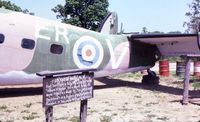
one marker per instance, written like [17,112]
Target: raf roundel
[88,52]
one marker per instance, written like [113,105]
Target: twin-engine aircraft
[30,44]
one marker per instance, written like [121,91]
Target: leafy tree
[194,16]
[12,6]
[83,13]
[156,32]
[144,30]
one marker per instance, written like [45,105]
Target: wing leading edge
[171,44]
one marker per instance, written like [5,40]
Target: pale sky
[155,15]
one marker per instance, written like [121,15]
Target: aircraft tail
[110,24]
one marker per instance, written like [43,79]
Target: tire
[146,79]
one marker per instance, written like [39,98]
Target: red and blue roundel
[88,52]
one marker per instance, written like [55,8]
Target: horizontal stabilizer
[171,44]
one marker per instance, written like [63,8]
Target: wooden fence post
[186,81]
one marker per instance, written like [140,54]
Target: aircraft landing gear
[151,78]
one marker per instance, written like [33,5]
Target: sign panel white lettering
[67,89]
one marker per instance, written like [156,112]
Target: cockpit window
[28,43]
[56,49]
[2,37]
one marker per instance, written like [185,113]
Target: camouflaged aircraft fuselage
[32,44]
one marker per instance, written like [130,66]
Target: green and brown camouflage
[30,44]
[102,51]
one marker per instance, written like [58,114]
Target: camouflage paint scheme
[115,45]
[80,48]
[30,44]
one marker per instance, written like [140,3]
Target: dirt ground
[116,99]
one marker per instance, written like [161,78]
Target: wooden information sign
[67,86]
[60,90]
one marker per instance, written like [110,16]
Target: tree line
[89,14]
[83,13]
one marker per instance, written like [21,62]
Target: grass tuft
[28,105]
[75,119]
[3,107]
[31,116]
[105,118]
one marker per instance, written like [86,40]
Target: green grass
[106,102]
[9,121]
[151,116]
[28,105]
[163,118]
[8,111]
[93,111]
[25,111]
[173,59]
[75,119]
[106,110]
[114,114]
[129,75]
[31,116]
[105,118]
[3,107]
[150,104]
[61,118]
[196,85]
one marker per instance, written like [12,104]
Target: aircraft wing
[171,44]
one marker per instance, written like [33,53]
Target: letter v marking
[115,63]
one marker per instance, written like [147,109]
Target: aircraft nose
[3,55]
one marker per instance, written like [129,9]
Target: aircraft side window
[2,37]
[28,43]
[56,49]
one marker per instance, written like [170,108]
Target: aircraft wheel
[150,80]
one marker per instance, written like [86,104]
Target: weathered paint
[81,48]
[13,57]
[75,43]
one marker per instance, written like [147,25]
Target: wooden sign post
[49,113]
[62,87]
[83,111]
[186,81]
